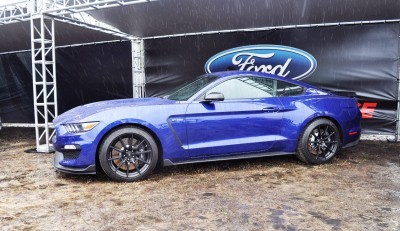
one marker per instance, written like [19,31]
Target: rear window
[288,89]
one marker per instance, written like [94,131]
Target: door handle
[270,109]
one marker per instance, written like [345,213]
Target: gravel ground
[359,190]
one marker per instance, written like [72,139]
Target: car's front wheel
[128,154]
[319,142]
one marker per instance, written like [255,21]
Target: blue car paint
[232,125]
[191,130]
[139,115]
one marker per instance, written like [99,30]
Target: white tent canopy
[171,17]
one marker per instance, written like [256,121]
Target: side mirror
[214,96]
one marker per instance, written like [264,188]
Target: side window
[246,87]
[288,89]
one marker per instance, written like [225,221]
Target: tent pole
[397,131]
[138,77]
[396,135]
[43,76]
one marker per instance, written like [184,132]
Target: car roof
[227,74]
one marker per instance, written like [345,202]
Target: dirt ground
[359,190]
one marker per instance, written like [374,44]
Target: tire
[319,142]
[128,154]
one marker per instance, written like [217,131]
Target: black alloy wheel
[319,142]
[128,154]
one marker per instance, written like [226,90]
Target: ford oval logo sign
[273,59]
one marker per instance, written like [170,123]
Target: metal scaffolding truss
[138,74]
[79,22]
[61,7]
[14,12]
[44,79]
[23,10]
[42,14]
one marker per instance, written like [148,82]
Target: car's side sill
[168,162]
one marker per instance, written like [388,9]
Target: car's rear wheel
[319,142]
[128,154]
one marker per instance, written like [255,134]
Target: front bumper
[75,152]
[59,156]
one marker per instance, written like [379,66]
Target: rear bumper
[59,156]
[352,144]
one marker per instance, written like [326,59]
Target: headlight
[80,127]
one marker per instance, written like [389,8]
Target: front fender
[171,148]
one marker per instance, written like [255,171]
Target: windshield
[187,90]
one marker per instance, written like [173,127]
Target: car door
[246,121]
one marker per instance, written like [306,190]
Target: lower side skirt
[168,162]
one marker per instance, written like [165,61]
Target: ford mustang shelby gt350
[218,116]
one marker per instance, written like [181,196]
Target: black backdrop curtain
[362,58]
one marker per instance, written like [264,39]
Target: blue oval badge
[273,59]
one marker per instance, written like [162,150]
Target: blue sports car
[219,116]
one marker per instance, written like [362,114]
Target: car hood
[81,112]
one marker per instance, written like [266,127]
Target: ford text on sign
[273,59]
